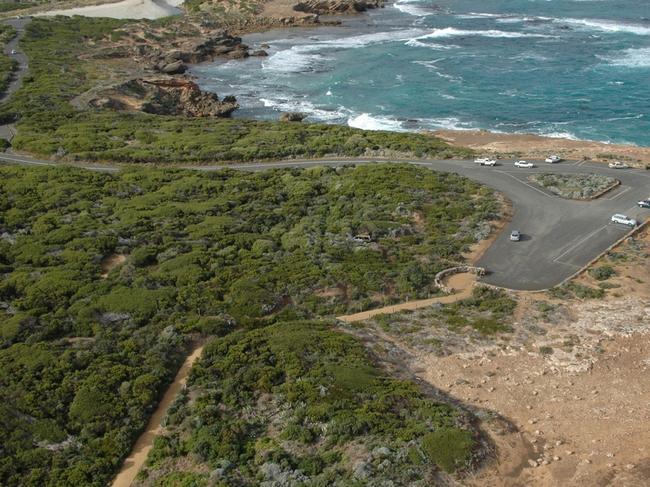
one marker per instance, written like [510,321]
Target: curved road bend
[558,235]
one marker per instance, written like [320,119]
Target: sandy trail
[140,451]
[463,283]
[126,9]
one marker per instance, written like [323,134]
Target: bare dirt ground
[572,380]
[537,147]
[111,262]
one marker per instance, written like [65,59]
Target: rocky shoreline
[160,55]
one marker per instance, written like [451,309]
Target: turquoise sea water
[564,68]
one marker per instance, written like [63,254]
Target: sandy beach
[537,147]
[126,9]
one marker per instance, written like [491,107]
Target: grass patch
[449,448]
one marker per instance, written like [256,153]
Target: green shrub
[450,448]
[546,350]
[602,273]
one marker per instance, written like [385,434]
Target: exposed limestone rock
[177,67]
[292,117]
[165,97]
[337,6]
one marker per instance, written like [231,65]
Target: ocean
[577,69]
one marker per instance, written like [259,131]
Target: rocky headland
[333,7]
[165,96]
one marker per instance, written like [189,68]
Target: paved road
[559,235]
[12,45]
[7,131]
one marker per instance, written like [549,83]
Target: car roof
[619,215]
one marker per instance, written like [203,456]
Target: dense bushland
[298,403]
[83,358]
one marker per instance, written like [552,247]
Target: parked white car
[515,236]
[524,164]
[618,165]
[624,220]
[552,159]
[485,161]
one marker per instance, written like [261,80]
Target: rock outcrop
[168,96]
[324,7]
[173,57]
[292,117]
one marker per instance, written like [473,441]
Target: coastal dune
[126,9]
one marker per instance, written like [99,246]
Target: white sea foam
[372,122]
[558,135]
[628,117]
[307,107]
[453,32]
[368,39]
[412,7]
[297,59]
[630,58]
[308,57]
[437,70]
[429,45]
[477,15]
[610,26]
[519,19]
[446,123]
[375,122]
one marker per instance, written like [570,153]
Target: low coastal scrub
[488,313]
[299,403]
[62,67]
[86,351]
[574,186]
[10,6]
[602,273]
[576,290]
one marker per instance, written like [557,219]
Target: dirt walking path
[462,283]
[138,456]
